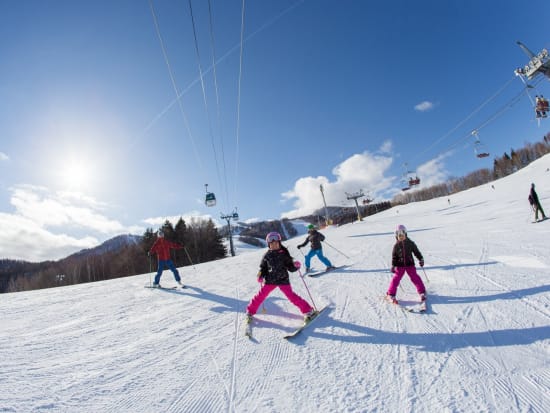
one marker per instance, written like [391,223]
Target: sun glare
[76,175]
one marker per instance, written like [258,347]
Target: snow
[483,346]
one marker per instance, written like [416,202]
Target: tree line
[129,257]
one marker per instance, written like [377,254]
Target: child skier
[273,273]
[162,248]
[403,261]
[315,237]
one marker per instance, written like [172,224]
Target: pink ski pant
[413,275]
[266,289]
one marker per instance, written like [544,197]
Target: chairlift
[409,178]
[541,107]
[479,148]
[414,181]
[539,64]
[210,199]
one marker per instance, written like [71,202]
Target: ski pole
[150,270]
[263,304]
[425,275]
[337,250]
[307,289]
[189,257]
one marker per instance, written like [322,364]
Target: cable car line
[174,85]
[205,100]
[239,101]
[462,122]
[218,105]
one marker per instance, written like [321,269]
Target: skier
[535,203]
[162,248]
[273,273]
[315,237]
[403,261]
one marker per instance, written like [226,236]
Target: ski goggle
[272,237]
[400,233]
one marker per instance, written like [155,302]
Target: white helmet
[400,229]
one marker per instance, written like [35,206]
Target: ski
[306,324]
[164,288]
[418,308]
[319,273]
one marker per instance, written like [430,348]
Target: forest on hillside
[200,237]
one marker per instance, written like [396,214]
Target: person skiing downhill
[403,261]
[162,248]
[535,203]
[315,237]
[273,273]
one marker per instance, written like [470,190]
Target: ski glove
[260,278]
[299,246]
[297,264]
[421,263]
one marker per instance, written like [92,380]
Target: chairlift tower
[538,63]
[228,217]
[355,196]
[327,219]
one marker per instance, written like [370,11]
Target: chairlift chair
[414,181]
[541,107]
[479,149]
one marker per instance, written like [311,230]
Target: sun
[76,174]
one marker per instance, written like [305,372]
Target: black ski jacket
[533,197]
[275,266]
[315,237]
[402,255]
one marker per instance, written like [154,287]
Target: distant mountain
[92,264]
[111,245]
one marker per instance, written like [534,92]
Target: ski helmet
[273,236]
[311,226]
[400,229]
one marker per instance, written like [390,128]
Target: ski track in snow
[483,345]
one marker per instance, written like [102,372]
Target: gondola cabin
[210,199]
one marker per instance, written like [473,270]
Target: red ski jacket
[162,248]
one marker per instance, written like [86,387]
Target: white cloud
[433,172]
[37,229]
[61,209]
[364,171]
[386,147]
[21,238]
[424,106]
[4,157]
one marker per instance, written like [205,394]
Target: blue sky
[94,142]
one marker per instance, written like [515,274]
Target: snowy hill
[483,346]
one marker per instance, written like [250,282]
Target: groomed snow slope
[483,346]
